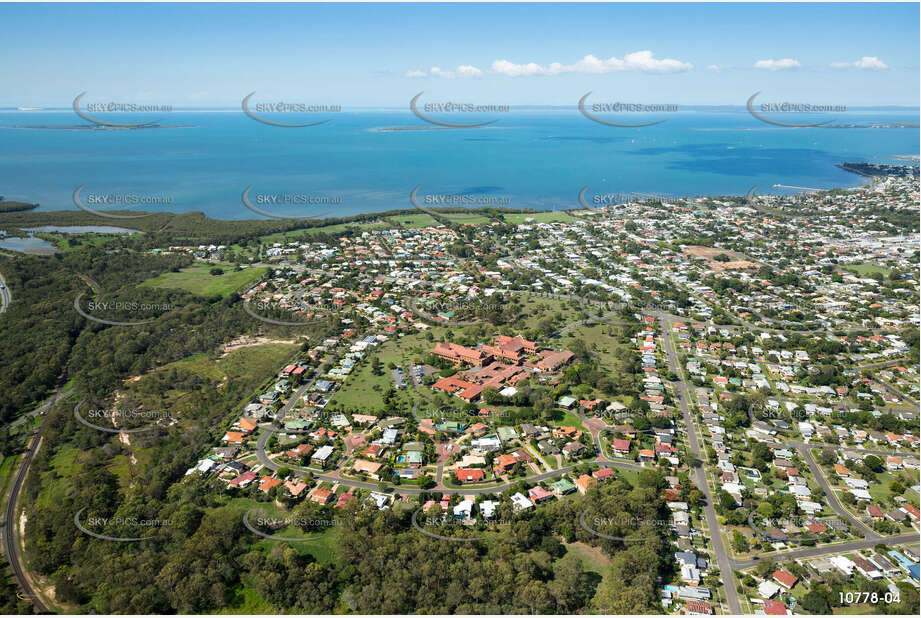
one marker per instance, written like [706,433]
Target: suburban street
[700,476]
[412,491]
[830,494]
[822,550]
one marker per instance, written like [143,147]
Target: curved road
[335,478]
[5,297]
[11,530]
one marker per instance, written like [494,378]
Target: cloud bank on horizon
[640,61]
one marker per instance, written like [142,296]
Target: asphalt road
[286,409]
[5,297]
[812,552]
[837,447]
[40,409]
[894,391]
[830,494]
[700,478]
[412,491]
[881,364]
[11,531]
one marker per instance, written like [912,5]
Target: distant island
[10,206]
[879,169]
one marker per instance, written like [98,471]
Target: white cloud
[637,61]
[716,68]
[867,62]
[464,70]
[784,64]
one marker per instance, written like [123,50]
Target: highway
[700,477]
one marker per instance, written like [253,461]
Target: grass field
[297,235]
[592,558]
[80,240]
[569,419]
[541,217]
[414,221]
[364,390]
[7,468]
[250,367]
[867,269]
[197,279]
[246,600]
[323,549]
[244,362]
[55,483]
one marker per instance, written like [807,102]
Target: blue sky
[379,55]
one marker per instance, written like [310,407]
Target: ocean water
[530,159]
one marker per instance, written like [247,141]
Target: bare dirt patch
[738,261]
[247,341]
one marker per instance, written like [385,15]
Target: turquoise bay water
[534,159]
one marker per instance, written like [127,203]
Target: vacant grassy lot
[7,468]
[541,217]
[247,601]
[73,242]
[323,549]
[198,279]
[244,371]
[364,390]
[414,221]
[297,235]
[865,270]
[592,557]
